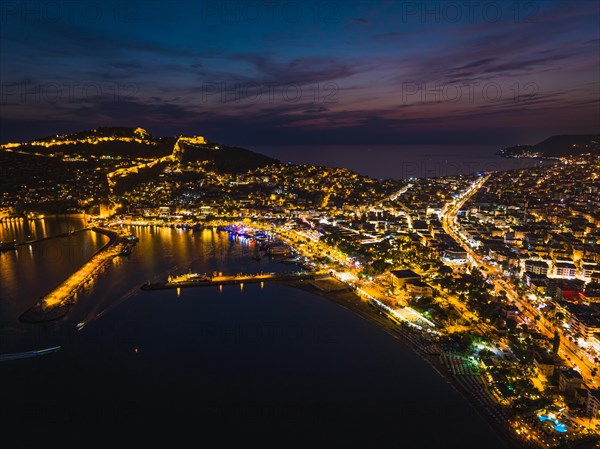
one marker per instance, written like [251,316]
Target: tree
[556,342]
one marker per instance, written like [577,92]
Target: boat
[189,277]
[125,251]
[8,246]
[80,325]
[278,250]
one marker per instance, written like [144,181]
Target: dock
[59,301]
[234,279]
[9,246]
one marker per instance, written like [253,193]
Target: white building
[537,267]
[593,403]
[565,270]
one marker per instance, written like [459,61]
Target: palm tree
[559,316]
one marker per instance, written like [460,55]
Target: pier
[57,236]
[8,246]
[59,301]
[213,281]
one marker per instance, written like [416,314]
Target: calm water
[394,161]
[258,367]
[32,271]
[26,230]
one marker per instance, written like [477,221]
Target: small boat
[80,325]
[277,250]
[8,246]
[125,251]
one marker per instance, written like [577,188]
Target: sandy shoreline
[350,301]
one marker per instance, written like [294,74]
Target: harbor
[292,316]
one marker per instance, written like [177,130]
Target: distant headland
[555,147]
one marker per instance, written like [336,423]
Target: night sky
[287,72]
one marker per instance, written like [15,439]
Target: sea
[242,366]
[400,161]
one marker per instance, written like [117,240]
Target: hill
[136,143]
[556,146]
[222,158]
[112,142]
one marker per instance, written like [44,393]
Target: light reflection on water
[31,272]
[281,366]
[23,230]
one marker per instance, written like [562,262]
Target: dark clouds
[346,72]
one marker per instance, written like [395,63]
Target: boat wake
[95,314]
[28,354]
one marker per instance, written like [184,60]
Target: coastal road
[406,210]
